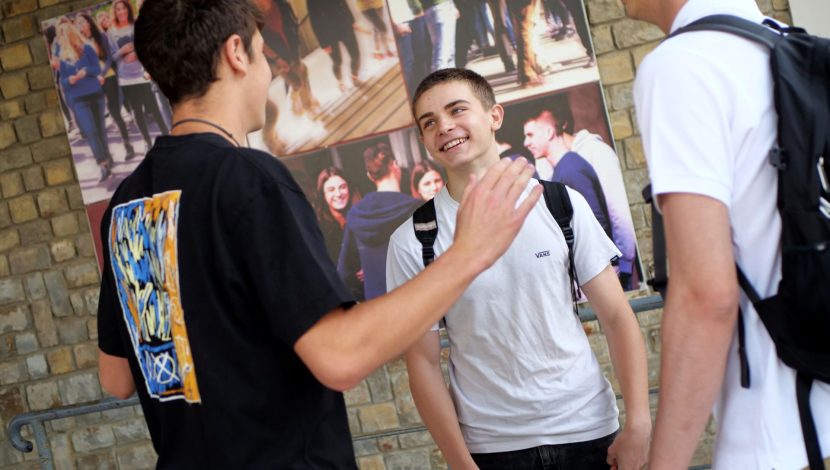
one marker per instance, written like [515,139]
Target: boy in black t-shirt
[218,302]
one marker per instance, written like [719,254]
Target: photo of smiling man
[524,384]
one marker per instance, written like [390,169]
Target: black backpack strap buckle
[425,224]
[778,158]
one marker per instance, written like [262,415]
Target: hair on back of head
[179,42]
[378,159]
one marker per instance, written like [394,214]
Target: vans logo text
[542,254]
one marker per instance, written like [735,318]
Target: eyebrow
[446,106]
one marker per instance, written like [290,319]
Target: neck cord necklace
[206,122]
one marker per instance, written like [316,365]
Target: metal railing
[37,420]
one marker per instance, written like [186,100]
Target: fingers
[518,180]
[527,205]
[494,173]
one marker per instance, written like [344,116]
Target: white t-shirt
[606,164]
[705,107]
[522,372]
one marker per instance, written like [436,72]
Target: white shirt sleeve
[685,122]
[593,250]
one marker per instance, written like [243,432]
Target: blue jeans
[587,455]
[414,49]
[440,21]
[89,114]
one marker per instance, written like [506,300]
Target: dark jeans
[89,114]
[143,102]
[113,93]
[587,455]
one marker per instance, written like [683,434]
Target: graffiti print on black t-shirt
[143,249]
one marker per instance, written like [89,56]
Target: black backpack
[558,201]
[797,317]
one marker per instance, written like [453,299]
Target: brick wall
[49,277]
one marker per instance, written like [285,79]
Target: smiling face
[336,193]
[83,26]
[430,184]
[455,127]
[537,138]
[122,13]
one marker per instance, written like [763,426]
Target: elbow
[118,389]
[339,375]
[714,302]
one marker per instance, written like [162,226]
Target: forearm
[434,403]
[691,375]
[628,356]
[348,341]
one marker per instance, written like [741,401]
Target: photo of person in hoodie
[370,223]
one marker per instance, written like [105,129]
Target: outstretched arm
[347,345]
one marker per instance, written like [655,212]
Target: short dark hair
[563,117]
[378,159]
[481,88]
[179,42]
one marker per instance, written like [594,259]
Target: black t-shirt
[214,267]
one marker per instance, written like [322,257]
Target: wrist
[639,423]
[467,263]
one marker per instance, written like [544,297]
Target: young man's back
[521,369]
[706,111]
[204,302]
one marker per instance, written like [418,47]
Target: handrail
[36,419]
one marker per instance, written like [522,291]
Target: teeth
[453,143]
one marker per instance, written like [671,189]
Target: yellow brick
[60,361]
[634,156]
[378,417]
[23,209]
[59,172]
[51,123]
[16,7]
[15,57]
[615,67]
[374,462]
[13,84]
[7,135]
[620,124]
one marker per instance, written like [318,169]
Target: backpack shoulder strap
[734,25]
[425,223]
[559,205]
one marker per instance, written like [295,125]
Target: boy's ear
[235,55]
[497,116]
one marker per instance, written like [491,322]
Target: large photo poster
[338,114]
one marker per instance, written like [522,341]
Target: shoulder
[259,170]
[579,203]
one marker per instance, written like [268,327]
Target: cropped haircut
[481,88]
[378,159]
[179,42]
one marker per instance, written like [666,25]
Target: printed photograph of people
[567,136]
[361,192]
[522,47]
[336,74]
[111,109]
